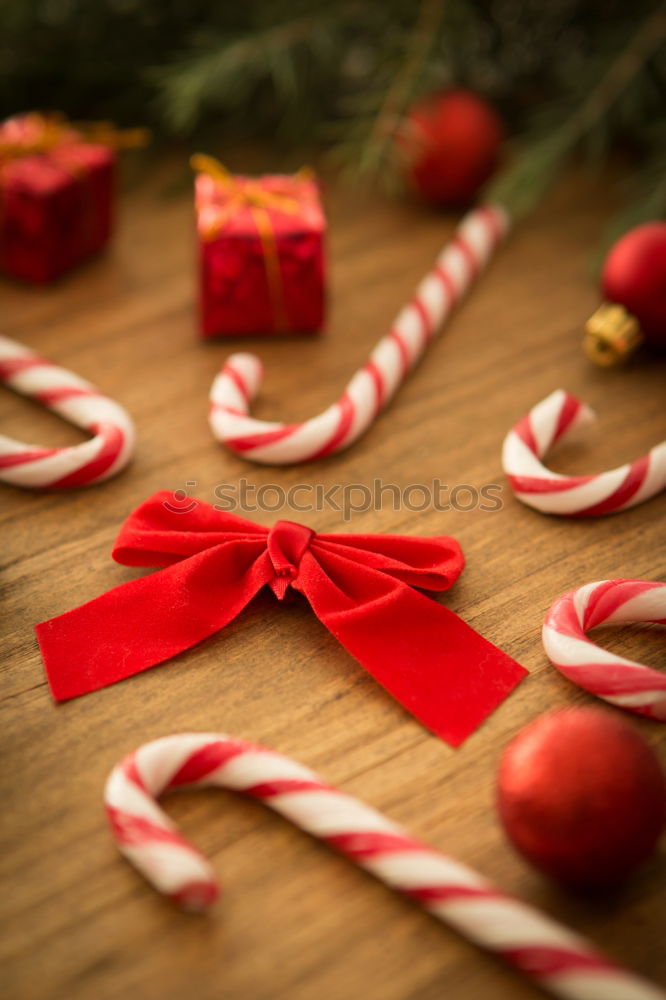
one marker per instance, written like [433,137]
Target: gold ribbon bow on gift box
[35,133]
[250,195]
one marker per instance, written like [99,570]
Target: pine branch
[646,201]
[379,146]
[520,188]
[226,75]
[344,72]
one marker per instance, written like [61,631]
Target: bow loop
[427,563]
[169,527]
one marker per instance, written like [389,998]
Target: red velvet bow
[359,586]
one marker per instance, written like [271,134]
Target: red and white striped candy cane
[374,384]
[619,681]
[556,958]
[79,402]
[574,496]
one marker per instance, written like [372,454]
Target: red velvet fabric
[359,586]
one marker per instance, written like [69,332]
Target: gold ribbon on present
[37,133]
[32,134]
[251,196]
[105,133]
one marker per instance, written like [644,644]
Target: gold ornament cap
[612,334]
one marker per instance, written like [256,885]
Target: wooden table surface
[296,921]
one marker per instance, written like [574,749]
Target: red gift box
[56,197]
[261,244]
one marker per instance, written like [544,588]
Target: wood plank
[297,922]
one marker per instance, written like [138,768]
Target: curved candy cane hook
[619,681]
[79,402]
[373,385]
[556,958]
[574,496]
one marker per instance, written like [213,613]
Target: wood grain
[296,921]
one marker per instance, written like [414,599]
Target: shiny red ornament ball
[582,796]
[634,275]
[450,143]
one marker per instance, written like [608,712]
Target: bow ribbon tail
[146,621]
[439,668]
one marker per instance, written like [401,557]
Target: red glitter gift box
[261,252]
[56,197]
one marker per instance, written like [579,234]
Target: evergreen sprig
[341,74]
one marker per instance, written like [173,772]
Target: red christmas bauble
[451,143]
[634,275]
[582,796]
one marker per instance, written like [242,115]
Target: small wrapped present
[56,192]
[261,252]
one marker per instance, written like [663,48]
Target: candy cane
[619,681]
[81,404]
[575,496]
[555,957]
[373,385]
